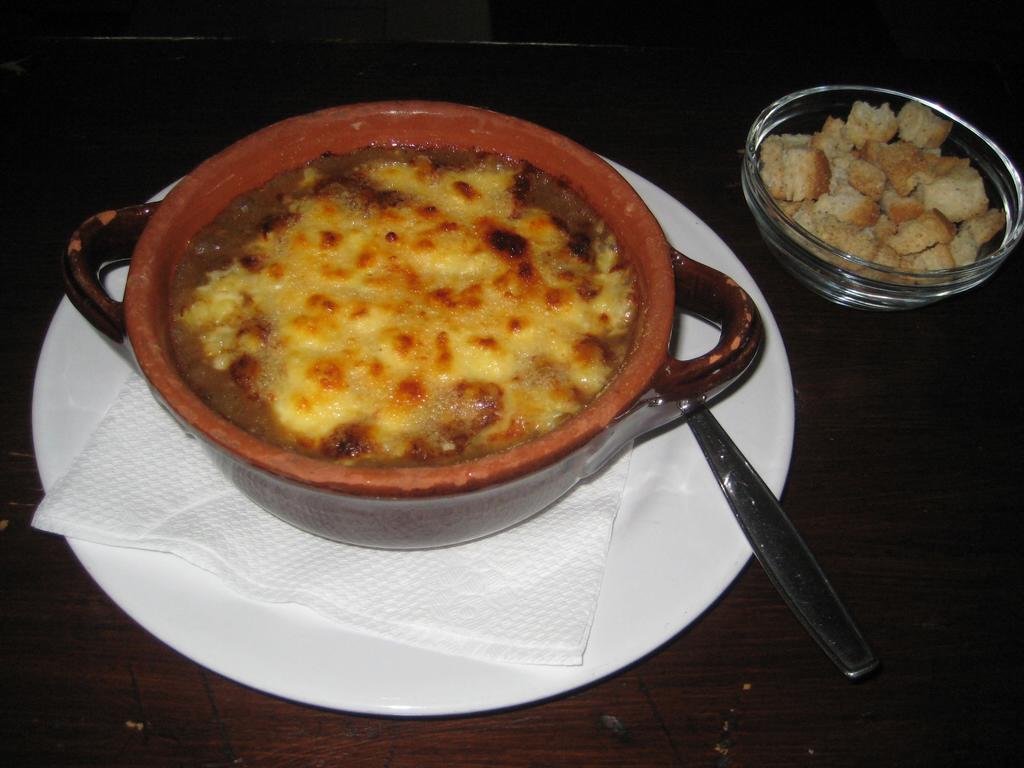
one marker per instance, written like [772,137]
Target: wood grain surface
[905,477]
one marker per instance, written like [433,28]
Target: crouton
[959,194]
[790,207]
[928,229]
[974,233]
[899,208]
[922,127]
[884,228]
[858,241]
[930,259]
[793,172]
[941,165]
[866,178]
[887,257]
[985,226]
[904,164]
[850,206]
[866,123]
[964,248]
[792,140]
[832,139]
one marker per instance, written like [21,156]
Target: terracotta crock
[415,507]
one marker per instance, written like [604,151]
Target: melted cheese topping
[411,311]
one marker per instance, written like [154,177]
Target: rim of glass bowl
[1007,185]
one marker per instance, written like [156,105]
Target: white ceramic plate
[674,551]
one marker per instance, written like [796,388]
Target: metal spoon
[781,551]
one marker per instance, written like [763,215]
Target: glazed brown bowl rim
[310,132]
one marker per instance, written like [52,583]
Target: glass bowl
[840,276]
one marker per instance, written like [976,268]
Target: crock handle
[717,298]
[101,239]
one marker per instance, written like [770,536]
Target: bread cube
[793,171]
[964,248]
[900,208]
[866,123]
[884,228]
[904,164]
[850,206]
[928,229]
[867,178]
[974,233]
[922,127]
[959,194]
[859,241]
[832,139]
[930,259]
[985,226]
[887,257]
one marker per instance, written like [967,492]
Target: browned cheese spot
[409,276]
[386,198]
[245,372]
[320,302]
[590,349]
[424,167]
[521,187]
[554,297]
[312,324]
[404,343]
[474,406]
[444,351]
[348,441]
[525,271]
[443,296]
[466,190]
[467,298]
[421,451]
[478,402]
[517,430]
[256,329]
[587,290]
[579,246]
[410,392]
[251,262]
[278,223]
[327,374]
[334,273]
[507,244]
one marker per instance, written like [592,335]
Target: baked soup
[403,306]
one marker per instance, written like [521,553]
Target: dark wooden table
[905,477]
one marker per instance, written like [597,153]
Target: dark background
[813,32]
[913,28]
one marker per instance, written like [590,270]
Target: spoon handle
[781,551]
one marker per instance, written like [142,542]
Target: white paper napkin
[526,595]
